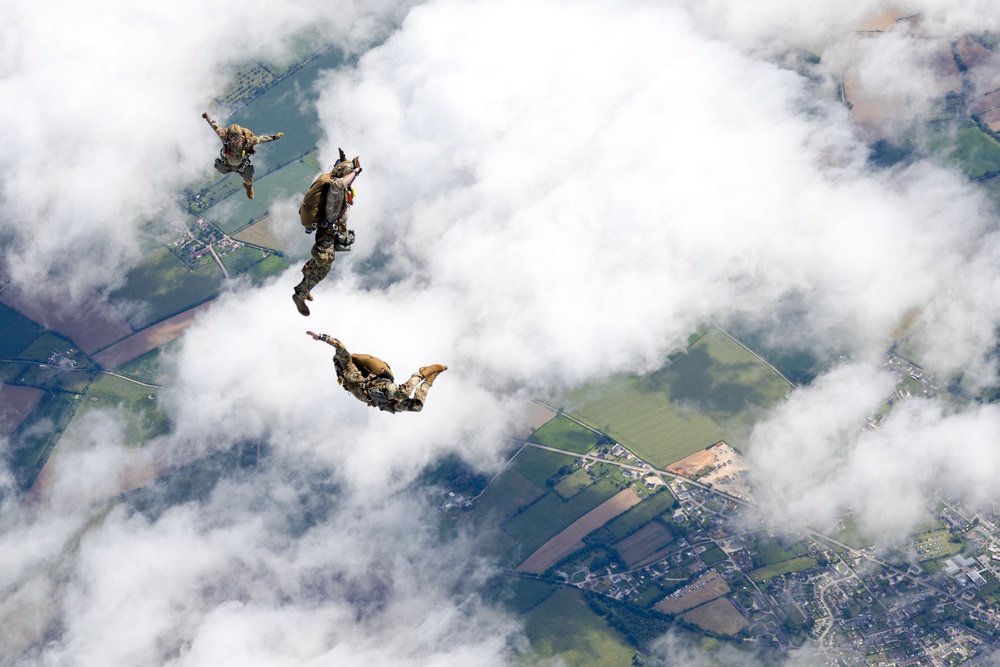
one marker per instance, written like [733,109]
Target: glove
[205,115]
[357,164]
[279,135]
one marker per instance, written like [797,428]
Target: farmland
[715,391]
[784,567]
[719,616]
[638,516]
[16,403]
[707,587]
[547,516]
[977,153]
[32,442]
[91,322]
[563,626]
[260,234]
[161,286]
[270,267]
[16,332]
[563,433]
[149,338]
[143,418]
[506,494]
[571,539]
[646,545]
[147,367]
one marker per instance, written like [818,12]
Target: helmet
[341,169]
[234,133]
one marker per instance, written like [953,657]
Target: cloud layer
[553,192]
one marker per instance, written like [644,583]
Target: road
[825,624]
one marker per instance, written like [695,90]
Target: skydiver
[237,146]
[370,380]
[324,210]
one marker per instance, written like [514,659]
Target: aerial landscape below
[691,307]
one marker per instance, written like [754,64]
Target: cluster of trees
[640,626]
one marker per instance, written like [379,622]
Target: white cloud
[552,192]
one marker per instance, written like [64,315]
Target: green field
[935,545]
[42,348]
[273,266]
[13,373]
[144,419]
[148,367]
[975,152]
[572,484]
[505,495]
[161,286]
[784,567]
[852,535]
[639,515]
[769,550]
[538,465]
[520,594]
[713,554]
[50,378]
[16,332]
[562,630]
[715,391]
[32,442]
[546,517]
[242,259]
[563,433]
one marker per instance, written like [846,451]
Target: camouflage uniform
[370,380]
[329,233]
[234,157]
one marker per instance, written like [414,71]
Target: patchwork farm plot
[715,391]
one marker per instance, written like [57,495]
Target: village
[711,563]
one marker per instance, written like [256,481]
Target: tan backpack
[313,206]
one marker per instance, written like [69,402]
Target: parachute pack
[313,206]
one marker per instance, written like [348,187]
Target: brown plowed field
[149,338]
[709,586]
[647,545]
[16,403]
[92,323]
[719,615]
[260,234]
[571,538]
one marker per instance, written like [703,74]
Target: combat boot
[431,372]
[248,185]
[300,304]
